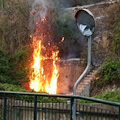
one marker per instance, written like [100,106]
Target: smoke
[65,26]
[38,11]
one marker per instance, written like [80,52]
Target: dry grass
[14,25]
[111,11]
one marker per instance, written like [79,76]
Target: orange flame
[52,88]
[42,80]
[62,39]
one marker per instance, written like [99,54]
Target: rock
[106,35]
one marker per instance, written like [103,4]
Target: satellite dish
[85,22]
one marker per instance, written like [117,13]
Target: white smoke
[38,11]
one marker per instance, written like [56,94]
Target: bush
[113,96]
[4,66]
[110,96]
[1,118]
[14,69]
[11,87]
[20,64]
[110,72]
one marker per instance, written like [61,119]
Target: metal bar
[35,107]
[59,110]
[86,112]
[90,113]
[79,113]
[63,110]
[71,108]
[1,106]
[64,96]
[42,110]
[25,109]
[46,110]
[28,110]
[82,75]
[31,108]
[119,112]
[67,112]
[11,108]
[55,111]
[22,109]
[52,110]
[87,68]
[5,105]
[101,114]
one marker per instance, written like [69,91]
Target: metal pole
[82,75]
[35,107]
[71,106]
[119,112]
[5,105]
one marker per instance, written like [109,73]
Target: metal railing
[35,106]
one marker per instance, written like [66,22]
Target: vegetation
[14,88]
[14,45]
[113,96]
[13,69]
[1,118]
[11,87]
[116,33]
[14,31]
[110,71]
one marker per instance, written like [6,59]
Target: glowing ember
[44,73]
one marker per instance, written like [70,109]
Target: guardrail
[35,106]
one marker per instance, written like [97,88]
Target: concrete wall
[71,3]
[69,71]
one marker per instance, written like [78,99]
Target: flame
[52,88]
[43,75]
[62,39]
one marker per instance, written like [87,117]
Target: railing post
[119,112]
[35,107]
[71,108]
[5,106]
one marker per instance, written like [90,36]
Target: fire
[52,88]
[44,71]
[62,39]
